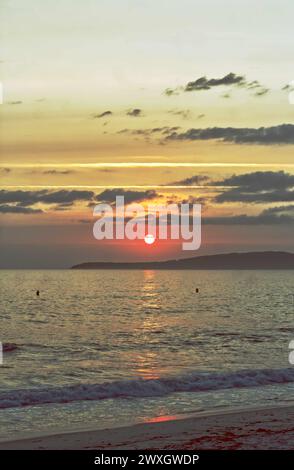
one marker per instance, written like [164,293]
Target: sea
[107,348]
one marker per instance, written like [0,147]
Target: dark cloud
[281,134]
[14,102]
[288,87]
[193,180]
[57,172]
[203,83]
[231,79]
[262,219]
[63,196]
[259,180]
[193,200]
[85,221]
[102,115]
[239,195]
[262,91]
[107,170]
[289,209]
[258,187]
[109,195]
[184,113]
[266,217]
[136,112]
[166,130]
[10,209]
[172,91]
[257,88]
[19,196]
[63,206]
[45,196]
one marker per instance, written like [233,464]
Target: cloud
[258,187]
[5,170]
[193,200]
[102,115]
[203,83]
[64,196]
[172,91]
[109,195]
[136,112]
[63,206]
[107,170]
[274,216]
[57,172]
[166,130]
[237,195]
[10,209]
[184,113]
[14,102]
[85,221]
[259,180]
[262,91]
[262,219]
[193,180]
[280,134]
[26,198]
[19,196]
[231,79]
[288,87]
[280,210]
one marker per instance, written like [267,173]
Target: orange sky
[85,109]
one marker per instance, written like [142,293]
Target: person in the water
[38,293]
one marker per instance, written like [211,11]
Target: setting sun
[149,239]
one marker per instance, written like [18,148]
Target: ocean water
[109,348]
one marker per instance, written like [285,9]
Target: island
[251,260]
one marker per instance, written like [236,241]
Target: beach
[237,429]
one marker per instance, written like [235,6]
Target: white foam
[193,382]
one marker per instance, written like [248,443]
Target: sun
[149,239]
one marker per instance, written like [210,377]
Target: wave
[140,388]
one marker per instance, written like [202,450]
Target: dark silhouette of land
[252,260]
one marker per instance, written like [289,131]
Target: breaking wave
[192,382]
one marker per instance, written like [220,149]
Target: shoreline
[237,428]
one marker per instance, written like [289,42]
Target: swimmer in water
[38,293]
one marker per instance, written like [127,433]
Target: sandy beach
[256,428]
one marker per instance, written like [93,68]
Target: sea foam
[192,382]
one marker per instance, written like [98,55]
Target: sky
[155,100]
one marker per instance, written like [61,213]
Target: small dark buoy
[38,293]
[196,290]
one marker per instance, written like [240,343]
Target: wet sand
[254,428]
